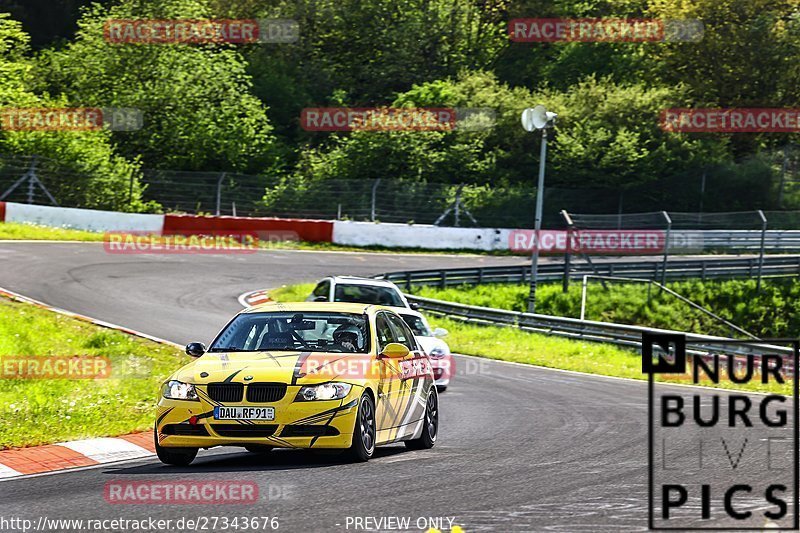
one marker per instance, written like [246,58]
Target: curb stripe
[144,440]
[106,450]
[6,471]
[43,459]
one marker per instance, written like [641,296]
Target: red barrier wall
[306,230]
[2,211]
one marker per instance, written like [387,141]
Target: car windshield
[417,325]
[367,294]
[295,331]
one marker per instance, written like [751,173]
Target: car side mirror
[195,349]
[440,332]
[320,299]
[414,306]
[395,350]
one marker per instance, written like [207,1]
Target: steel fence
[648,269]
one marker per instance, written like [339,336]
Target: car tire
[430,429]
[174,456]
[364,432]
[259,448]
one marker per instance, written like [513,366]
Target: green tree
[79,168]
[199,113]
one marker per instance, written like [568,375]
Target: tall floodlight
[537,118]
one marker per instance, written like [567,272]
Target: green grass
[15,231]
[511,344]
[292,293]
[20,232]
[772,312]
[40,411]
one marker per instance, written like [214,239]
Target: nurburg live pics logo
[721,458]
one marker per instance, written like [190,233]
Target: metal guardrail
[588,330]
[676,269]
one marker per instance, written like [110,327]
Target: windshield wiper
[213,350]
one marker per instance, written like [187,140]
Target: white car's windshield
[367,294]
[295,331]
[417,325]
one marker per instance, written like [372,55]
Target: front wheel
[363,446]
[430,429]
[174,456]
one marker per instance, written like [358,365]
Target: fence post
[761,252]
[374,197]
[219,193]
[408,281]
[444,279]
[568,253]
[666,248]
[583,297]
[457,208]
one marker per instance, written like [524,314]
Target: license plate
[244,413]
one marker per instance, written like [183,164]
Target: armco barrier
[588,330]
[306,230]
[702,268]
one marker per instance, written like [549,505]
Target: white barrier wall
[85,219]
[419,236]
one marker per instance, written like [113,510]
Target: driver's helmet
[348,333]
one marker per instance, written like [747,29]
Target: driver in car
[347,336]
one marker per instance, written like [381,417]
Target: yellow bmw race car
[302,375]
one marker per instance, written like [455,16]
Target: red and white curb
[17,462]
[252,298]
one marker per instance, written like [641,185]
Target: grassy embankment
[39,411]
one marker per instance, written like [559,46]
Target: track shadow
[243,461]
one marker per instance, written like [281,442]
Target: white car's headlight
[326,391]
[177,390]
[437,352]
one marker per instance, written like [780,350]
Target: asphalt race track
[520,448]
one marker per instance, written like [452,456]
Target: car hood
[282,367]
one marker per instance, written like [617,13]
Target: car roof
[331,307]
[355,280]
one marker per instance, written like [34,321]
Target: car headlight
[437,353]
[177,390]
[326,391]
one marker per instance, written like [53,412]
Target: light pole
[537,118]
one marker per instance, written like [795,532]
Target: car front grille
[186,430]
[245,431]
[226,392]
[265,392]
[308,430]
